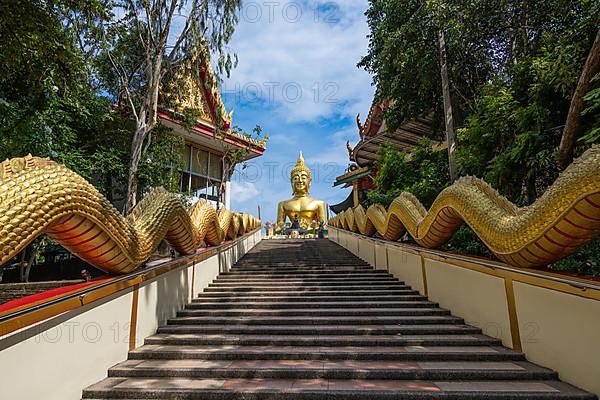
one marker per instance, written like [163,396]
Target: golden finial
[300,167]
[359,124]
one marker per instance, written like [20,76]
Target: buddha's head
[300,177]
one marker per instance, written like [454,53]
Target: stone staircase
[305,319]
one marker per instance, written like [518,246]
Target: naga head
[300,178]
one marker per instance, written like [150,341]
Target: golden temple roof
[193,92]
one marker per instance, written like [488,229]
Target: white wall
[56,359]
[556,324]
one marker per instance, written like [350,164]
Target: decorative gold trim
[512,314]
[424,275]
[300,167]
[581,287]
[352,173]
[63,306]
[94,294]
[134,317]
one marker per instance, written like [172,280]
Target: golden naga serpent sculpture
[40,196]
[563,219]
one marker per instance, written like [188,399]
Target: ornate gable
[193,89]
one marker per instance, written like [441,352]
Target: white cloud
[273,54]
[306,68]
[334,147]
[244,191]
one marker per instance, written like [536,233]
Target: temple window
[202,172]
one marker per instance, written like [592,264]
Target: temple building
[209,141]
[373,135]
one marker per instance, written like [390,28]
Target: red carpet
[47,295]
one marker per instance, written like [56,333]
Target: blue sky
[297,78]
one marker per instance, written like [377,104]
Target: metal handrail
[458,257]
[130,276]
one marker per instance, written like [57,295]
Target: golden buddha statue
[306,209]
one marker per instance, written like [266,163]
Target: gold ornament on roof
[39,196]
[563,219]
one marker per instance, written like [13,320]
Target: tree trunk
[22,263]
[136,155]
[448,117]
[573,123]
[109,188]
[28,256]
[146,120]
[29,265]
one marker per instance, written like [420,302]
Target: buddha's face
[300,183]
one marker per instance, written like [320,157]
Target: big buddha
[306,209]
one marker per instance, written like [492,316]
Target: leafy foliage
[586,261]
[142,45]
[592,113]
[47,105]
[52,105]
[513,68]
[509,144]
[164,160]
[425,174]
[403,53]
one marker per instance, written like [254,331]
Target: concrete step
[320,330]
[323,268]
[405,337]
[306,320]
[304,278]
[314,312]
[317,254]
[398,353]
[306,274]
[368,320]
[320,256]
[299,260]
[341,369]
[302,283]
[341,290]
[315,267]
[331,389]
[205,305]
[242,298]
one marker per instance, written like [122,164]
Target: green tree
[431,57]
[424,173]
[145,41]
[590,70]
[513,70]
[511,138]
[51,105]
[404,53]
[43,87]
[47,105]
